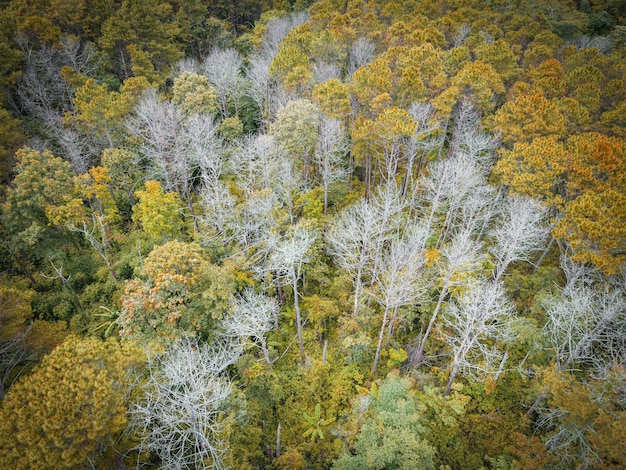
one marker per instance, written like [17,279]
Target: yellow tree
[593,222]
[72,409]
[548,78]
[528,117]
[332,98]
[500,56]
[593,225]
[482,83]
[596,162]
[158,212]
[100,112]
[584,179]
[194,94]
[95,186]
[537,169]
[370,87]
[291,64]
[90,209]
[420,71]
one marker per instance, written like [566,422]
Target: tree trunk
[420,351]
[535,405]
[543,255]
[368,177]
[453,372]
[380,341]
[296,304]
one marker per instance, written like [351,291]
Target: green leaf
[310,419]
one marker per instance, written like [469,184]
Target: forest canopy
[292,234]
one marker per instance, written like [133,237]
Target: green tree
[47,21]
[295,130]
[147,29]
[11,137]
[500,56]
[391,435]
[123,169]
[42,183]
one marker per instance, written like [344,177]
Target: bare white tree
[422,141]
[445,189]
[462,255]
[223,68]
[263,90]
[362,52]
[329,155]
[461,35]
[179,415]
[253,316]
[388,206]
[156,124]
[520,231]
[178,147]
[398,282]
[468,136]
[323,71]
[479,209]
[480,317]
[359,234]
[188,64]
[255,222]
[586,323]
[287,262]
[276,29]
[44,97]
[255,162]
[219,208]
[351,242]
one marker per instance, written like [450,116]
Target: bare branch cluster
[180,416]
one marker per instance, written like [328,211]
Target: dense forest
[360,234]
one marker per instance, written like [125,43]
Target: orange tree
[181,294]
